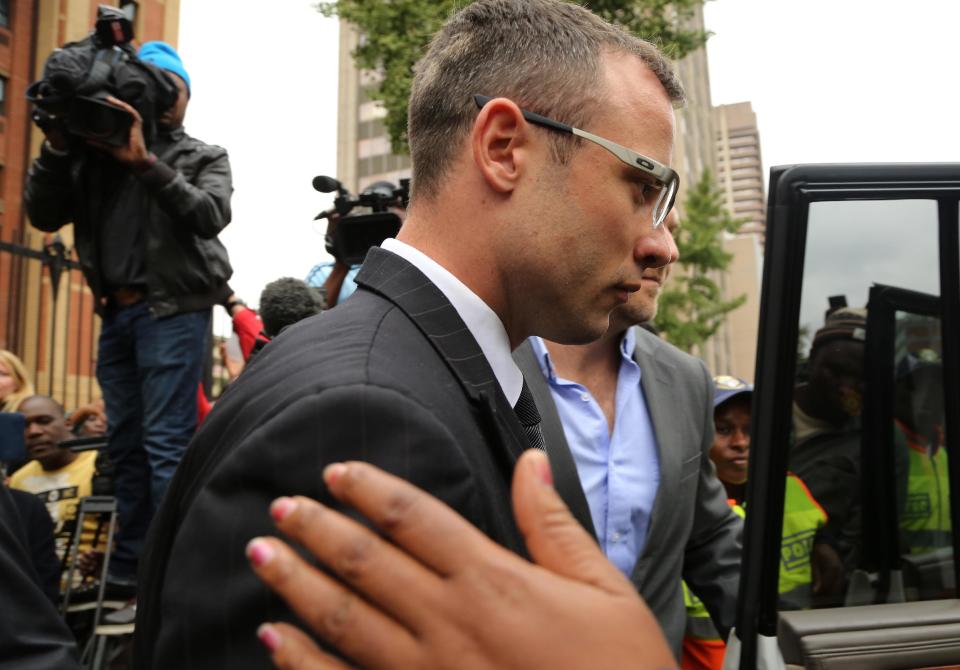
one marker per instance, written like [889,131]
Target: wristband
[233,303]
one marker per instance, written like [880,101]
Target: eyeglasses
[666,180]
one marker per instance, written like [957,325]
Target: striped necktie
[526,411]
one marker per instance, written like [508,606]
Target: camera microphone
[326,184]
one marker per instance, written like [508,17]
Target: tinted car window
[851,247]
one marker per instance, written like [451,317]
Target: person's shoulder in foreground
[32,634]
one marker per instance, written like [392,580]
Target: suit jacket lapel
[565,476]
[409,289]
[658,392]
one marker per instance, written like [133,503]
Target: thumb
[555,540]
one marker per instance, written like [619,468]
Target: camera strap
[100,69]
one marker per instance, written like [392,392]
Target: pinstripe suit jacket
[392,376]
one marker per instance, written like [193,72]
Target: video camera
[78,78]
[350,236]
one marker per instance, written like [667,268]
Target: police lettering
[918,507]
[795,549]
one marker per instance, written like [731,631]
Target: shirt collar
[172,134]
[543,358]
[628,344]
[482,322]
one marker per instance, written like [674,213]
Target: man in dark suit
[33,636]
[413,373]
[628,426]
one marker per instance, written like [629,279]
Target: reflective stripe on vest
[699,624]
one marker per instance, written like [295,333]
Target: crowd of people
[593,476]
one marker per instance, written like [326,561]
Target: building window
[4,13]
[3,96]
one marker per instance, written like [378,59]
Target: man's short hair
[545,55]
[61,412]
[284,302]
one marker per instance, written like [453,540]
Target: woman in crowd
[14,383]
[88,420]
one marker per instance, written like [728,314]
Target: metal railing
[47,319]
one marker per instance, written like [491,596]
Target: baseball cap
[726,387]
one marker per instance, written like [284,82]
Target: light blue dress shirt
[318,274]
[619,473]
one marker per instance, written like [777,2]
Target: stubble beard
[641,308]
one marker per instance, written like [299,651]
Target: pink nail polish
[543,469]
[259,552]
[269,636]
[333,472]
[281,508]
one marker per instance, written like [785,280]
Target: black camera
[78,78]
[350,236]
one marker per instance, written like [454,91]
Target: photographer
[146,215]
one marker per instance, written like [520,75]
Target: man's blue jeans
[149,371]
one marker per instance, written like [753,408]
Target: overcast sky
[830,81]
[841,80]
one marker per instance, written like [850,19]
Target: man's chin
[582,331]
[41,453]
[640,309]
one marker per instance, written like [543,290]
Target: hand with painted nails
[440,594]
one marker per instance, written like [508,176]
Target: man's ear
[499,140]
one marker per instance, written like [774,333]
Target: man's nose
[33,429]
[741,440]
[656,248]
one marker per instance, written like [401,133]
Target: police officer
[918,440]
[802,519]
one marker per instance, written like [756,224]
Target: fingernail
[281,508]
[333,472]
[542,465]
[259,551]
[269,635]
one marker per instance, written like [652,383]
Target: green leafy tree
[693,307]
[397,32]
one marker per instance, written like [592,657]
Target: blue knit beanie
[164,57]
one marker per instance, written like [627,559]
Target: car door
[855,405]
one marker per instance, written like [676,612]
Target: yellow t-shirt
[61,491]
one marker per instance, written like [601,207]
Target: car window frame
[880,530]
[792,190]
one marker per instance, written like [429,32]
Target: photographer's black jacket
[182,203]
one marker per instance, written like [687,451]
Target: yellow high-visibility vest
[925,522]
[802,517]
